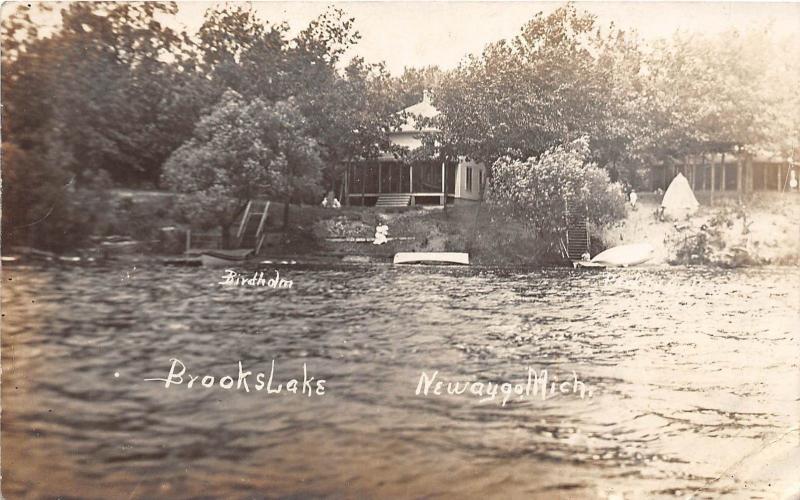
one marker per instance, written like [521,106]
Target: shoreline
[336,262]
[765,232]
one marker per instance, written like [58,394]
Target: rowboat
[224,257]
[625,255]
[432,258]
[587,264]
[367,240]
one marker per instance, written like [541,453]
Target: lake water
[694,379]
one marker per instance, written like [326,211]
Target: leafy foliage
[104,96]
[539,191]
[564,77]
[711,96]
[44,206]
[544,87]
[349,111]
[243,150]
[112,91]
[408,88]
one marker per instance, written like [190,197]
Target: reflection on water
[692,372]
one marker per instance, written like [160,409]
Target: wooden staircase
[251,232]
[577,235]
[391,200]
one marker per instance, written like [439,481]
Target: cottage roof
[422,109]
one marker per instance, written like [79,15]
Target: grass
[489,238]
[475,229]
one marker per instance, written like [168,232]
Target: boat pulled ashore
[459,258]
[625,255]
[224,257]
[587,264]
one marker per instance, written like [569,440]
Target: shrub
[538,191]
[241,150]
[140,220]
[46,207]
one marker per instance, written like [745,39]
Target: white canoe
[431,258]
[625,255]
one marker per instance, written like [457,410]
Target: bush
[241,150]
[539,191]
[138,219]
[46,207]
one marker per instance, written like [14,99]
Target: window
[480,179]
[469,179]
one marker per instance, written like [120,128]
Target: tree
[44,206]
[542,88]
[780,80]
[299,155]
[408,88]
[351,117]
[539,191]
[623,138]
[243,149]
[347,107]
[102,88]
[711,93]
[239,51]
[349,110]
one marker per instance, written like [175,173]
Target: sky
[425,33]
[422,33]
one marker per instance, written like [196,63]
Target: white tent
[679,200]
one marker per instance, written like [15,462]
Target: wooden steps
[577,235]
[392,200]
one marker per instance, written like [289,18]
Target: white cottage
[389,182]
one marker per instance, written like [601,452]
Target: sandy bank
[764,229]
